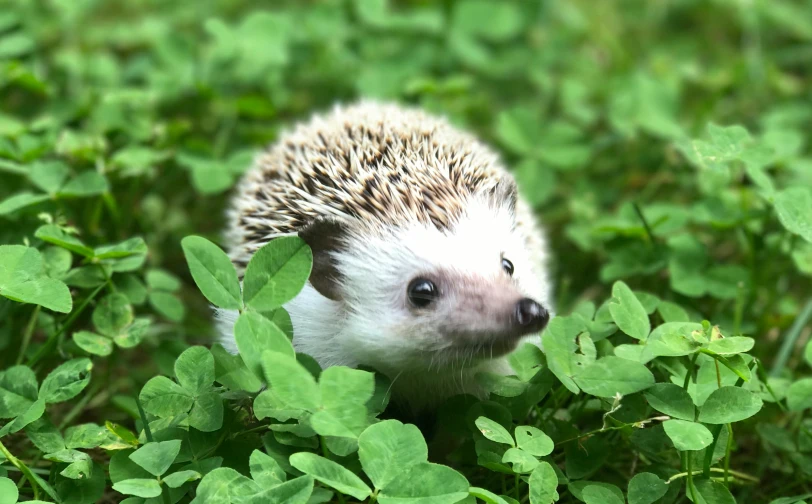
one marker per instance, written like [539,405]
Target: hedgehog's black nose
[531,316]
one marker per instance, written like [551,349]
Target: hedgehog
[428,266]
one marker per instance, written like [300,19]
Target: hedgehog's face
[418,296]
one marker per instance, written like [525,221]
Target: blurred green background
[662,142]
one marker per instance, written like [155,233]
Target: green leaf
[45,436]
[158,279]
[207,412]
[688,435]
[794,209]
[265,470]
[177,479]
[167,305]
[493,21]
[673,339]
[79,469]
[596,494]
[8,491]
[527,360]
[194,369]
[344,393]
[672,400]
[799,395]
[501,385]
[646,488]
[276,273]
[122,433]
[22,279]
[89,183]
[291,381]
[295,491]
[731,345]
[254,335]
[543,484]
[628,313]
[75,491]
[710,492]
[213,272]
[224,485]
[48,175]
[133,333]
[232,372]
[92,343]
[610,375]
[55,235]
[57,261]
[493,431]
[145,488]
[533,441]
[18,390]
[113,314]
[559,342]
[519,129]
[21,200]
[537,181]
[425,483]
[128,248]
[331,474]
[486,496]
[672,312]
[388,448]
[88,277]
[521,461]
[156,457]
[66,381]
[164,398]
[729,405]
[31,414]
[86,436]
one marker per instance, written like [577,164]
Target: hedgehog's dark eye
[507,266]
[422,292]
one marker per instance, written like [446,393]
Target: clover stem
[49,343]
[739,310]
[690,371]
[147,431]
[23,469]
[691,487]
[788,344]
[736,474]
[110,202]
[728,449]
[29,332]
[649,233]
[516,482]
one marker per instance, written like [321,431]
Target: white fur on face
[375,325]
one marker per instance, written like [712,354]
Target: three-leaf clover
[194,393]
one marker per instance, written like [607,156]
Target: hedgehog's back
[369,161]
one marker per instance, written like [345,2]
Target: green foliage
[664,146]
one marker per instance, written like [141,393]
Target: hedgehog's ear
[325,237]
[506,193]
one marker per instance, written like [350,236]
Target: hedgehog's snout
[530,316]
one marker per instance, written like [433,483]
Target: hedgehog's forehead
[473,243]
